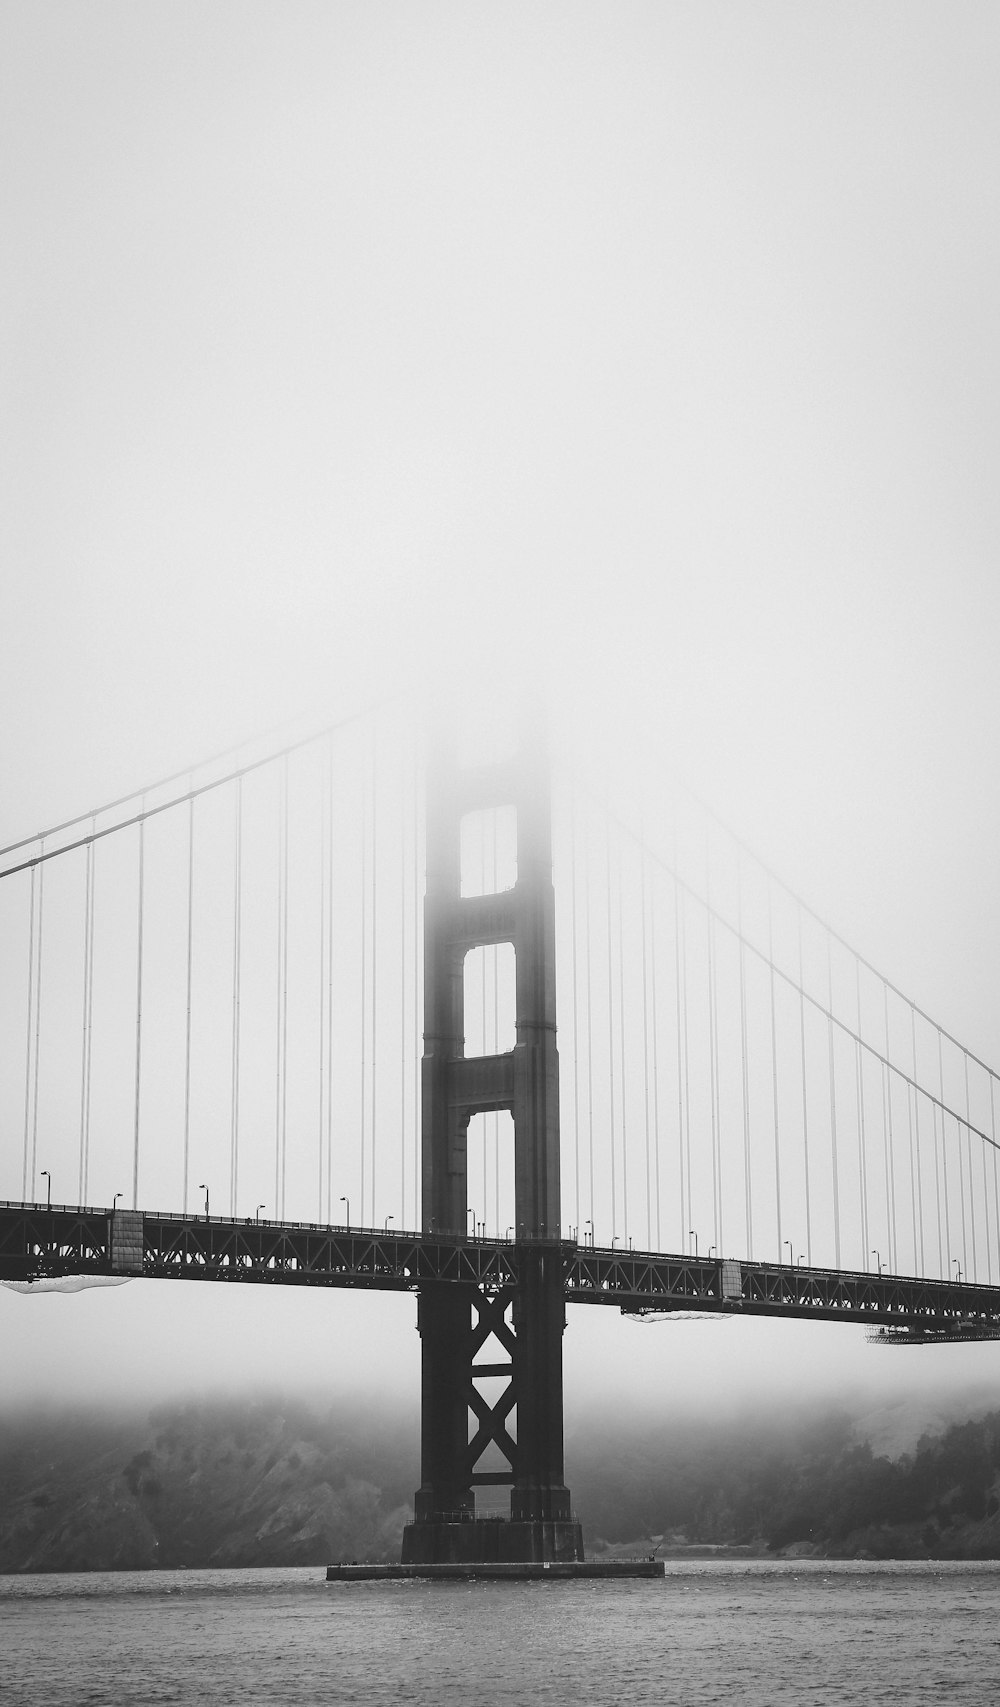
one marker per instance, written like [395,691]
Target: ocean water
[734,1632]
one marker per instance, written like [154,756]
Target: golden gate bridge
[290,1018]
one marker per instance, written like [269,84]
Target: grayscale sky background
[651,348]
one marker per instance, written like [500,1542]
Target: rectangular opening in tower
[488,851]
[489,991]
[490,1175]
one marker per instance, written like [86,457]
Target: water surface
[714,1631]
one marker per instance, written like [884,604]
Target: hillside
[278,1482]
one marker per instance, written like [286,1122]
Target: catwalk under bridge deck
[39,1243]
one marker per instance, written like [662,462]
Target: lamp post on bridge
[347,1201]
[878,1259]
[959,1267]
[256,1214]
[204,1188]
[693,1235]
[48,1194]
[388,1218]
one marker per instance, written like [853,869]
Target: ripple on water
[740,1632]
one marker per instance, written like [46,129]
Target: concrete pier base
[484,1540]
[507,1570]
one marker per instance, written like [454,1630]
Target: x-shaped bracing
[491,1312]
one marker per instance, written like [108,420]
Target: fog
[645,356]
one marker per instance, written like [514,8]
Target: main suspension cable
[270,758]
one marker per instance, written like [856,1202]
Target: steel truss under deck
[39,1243]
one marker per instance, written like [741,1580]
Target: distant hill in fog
[281,1482]
[273,1483]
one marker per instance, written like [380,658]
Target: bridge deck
[39,1243]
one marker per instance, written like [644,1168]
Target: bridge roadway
[39,1243]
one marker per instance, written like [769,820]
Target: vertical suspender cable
[913,1172]
[90,1023]
[996,1177]
[862,1134]
[284,993]
[645,1035]
[833,1100]
[937,1185]
[944,1157]
[621,1031]
[281,996]
[187,1018]
[138,1007]
[684,1229]
[483,961]
[916,1137]
[495,1115]
[805,1092]
[321,1120]
[576,994]
[28,1028]
[329,984]
[986,1206]
[961,1189]
[683,1059]
[972,1195]
[656,1060]
[744,1064]
[588,961]
[364,978]
[887,1136]
[403,983]
[611,1020]
[374,978]
[995,1173]
[774,1070]
[88,943]
[417,1116]
[713,1063]
[496,1048]
[234,1094]
[90,1018]
[38,1017]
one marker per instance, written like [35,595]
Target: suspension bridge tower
[508,1334]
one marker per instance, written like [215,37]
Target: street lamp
[348,1203]
[958,1266]
[589,1224]
[878,1260]
[387,1220]
[472,1212]
[204,1188]
[791,1251]
[114,1200]
[693,1235]
[256,1214]
[48,1190]
[712,1248]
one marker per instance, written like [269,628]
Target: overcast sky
[652,347]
